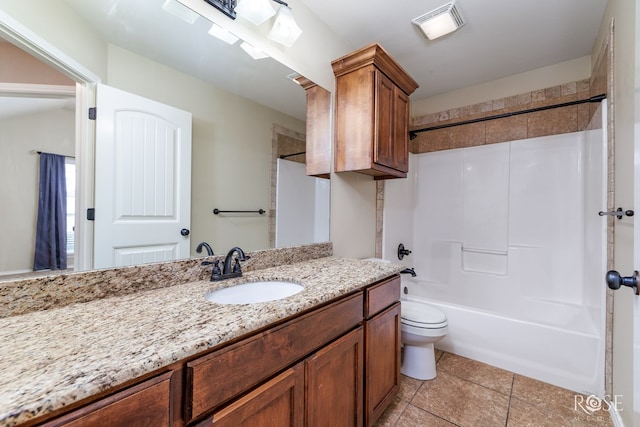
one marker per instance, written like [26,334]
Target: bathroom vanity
[167,357]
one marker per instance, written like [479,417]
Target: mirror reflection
[245,115]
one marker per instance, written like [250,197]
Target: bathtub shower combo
[506,240]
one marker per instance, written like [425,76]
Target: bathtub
[559,344]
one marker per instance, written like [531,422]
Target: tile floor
[467,393]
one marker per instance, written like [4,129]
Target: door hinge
[92,113]
[91,214]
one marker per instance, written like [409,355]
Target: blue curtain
[51,230]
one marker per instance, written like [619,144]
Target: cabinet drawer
[380,296]
[143,405]
[216,378]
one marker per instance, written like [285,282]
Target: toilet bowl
[422,325]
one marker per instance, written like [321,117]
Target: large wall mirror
[246,114]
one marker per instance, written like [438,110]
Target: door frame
[86,81]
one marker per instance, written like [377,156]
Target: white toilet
[422,325]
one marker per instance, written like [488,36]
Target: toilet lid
[416,312]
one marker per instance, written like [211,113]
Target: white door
[143,180]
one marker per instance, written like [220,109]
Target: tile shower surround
[549,122]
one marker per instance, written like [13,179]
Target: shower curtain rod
[413,134]
[40,152]
[284,156]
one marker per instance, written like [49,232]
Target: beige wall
[530,81]
[51,131]
[621,101]
[54,21]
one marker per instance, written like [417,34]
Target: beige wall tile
[507,129]
[552,122]
[553,92]
[569,88]
[538,95]
[467,135]
[435,140]
[584,117]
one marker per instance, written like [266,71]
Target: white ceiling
[143,27]
[500,38]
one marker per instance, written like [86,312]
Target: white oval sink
[249,293]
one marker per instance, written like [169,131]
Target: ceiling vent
[440,21]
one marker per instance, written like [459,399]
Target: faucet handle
[216,268]
[236,266]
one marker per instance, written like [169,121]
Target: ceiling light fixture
[220,33]
[439,22]
[225,6]
[179,10]
[284,31]
[256,11]
[252,51]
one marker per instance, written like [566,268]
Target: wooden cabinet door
[400,137]
[382,362]
[277,403]
[217,378]
[334,377]
[384,150]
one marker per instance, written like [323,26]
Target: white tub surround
[507,242]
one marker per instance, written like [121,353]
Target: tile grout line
[513,380]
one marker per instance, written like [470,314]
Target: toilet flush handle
[402,251]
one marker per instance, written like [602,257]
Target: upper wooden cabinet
[372,113]
[318,158]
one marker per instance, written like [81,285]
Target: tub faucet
[410,271]
[206,246]
[229,270]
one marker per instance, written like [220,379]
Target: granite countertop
[53,358]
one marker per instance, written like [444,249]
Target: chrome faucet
[229,270]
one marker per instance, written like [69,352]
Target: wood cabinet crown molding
[376,55]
